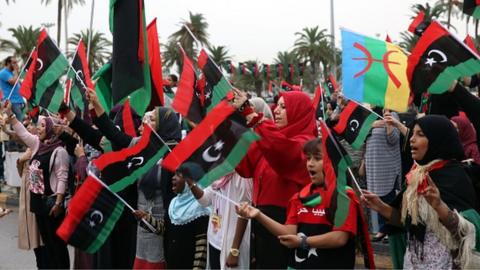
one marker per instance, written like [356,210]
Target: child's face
[315,166]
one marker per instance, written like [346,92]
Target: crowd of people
[419,176]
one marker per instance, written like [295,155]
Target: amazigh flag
[187,101]
[79,78]
[155,62]
[335,167]
[354,124]
[469,41]
[215,80]
[40,85]
[330,85]
[91,216]
[217,144]
[472,8]
[103,86]
[438,59]
[122,168]
[130,63]
[373,71]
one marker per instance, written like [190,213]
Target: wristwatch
[303,244]
[235,252]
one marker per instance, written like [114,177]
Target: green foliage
[24,39]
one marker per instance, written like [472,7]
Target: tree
[198,26]
[100,51]
[219,54]
[310,46]
[24,41]
[171,55]
[249,81]
[70,4]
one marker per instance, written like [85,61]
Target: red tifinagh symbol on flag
[370,60]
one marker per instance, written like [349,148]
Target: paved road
[10,256]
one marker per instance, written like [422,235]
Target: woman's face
[41,129]
[148,118]
[280,114]
[418,143]
[315,166]
[178,183]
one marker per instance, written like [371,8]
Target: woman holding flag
[276,175]
[437,206]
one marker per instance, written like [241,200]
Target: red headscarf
[468,137]
[300,115]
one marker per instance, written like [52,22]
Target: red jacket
[276,162]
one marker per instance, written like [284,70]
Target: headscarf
[441,164]
[468,137]
[184,208]
[167,124]
[260,106]
[300,115]
[51,141]
[168,128]
[443,140]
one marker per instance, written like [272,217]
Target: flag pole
[215,64]
[23,69]
[368,109]
[154,132]
[340,152]
[120,199]
[91,33]
[332,30]
[323,104]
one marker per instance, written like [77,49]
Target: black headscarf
[168,128]
[443,140]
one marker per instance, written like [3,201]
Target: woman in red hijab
[468,137]
[277,165]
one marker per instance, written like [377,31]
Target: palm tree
[219,54]
[249,81]
[431,13]
[25,40]
[198,26]
[60,3]
[100,51]
[171,55]
[310,46]
[408,40]
[286,58]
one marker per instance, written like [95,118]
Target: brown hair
[311,147]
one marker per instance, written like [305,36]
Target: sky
[251,30]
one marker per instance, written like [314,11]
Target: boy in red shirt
[309,228]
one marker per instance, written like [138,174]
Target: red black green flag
[155,62]
[331,85]
[472,8]
[40,86]
[189,92]
[469,41]
[354,124]
[127,119]
[79,78]
[438,59]
[266,71]
[318,98]
[91,216]
[218,84]
[122,168]
[291,70]
[335,167]
[217,144]
[130,63]
[103,86]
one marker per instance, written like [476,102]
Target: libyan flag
[217,85]
[91,216]
[103,86]
[130,64]
[122,168]
[472,8]
[318,99]
[438,59]
[354,124]
[79,76]
[335,166]
[40,85]
[217,144]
